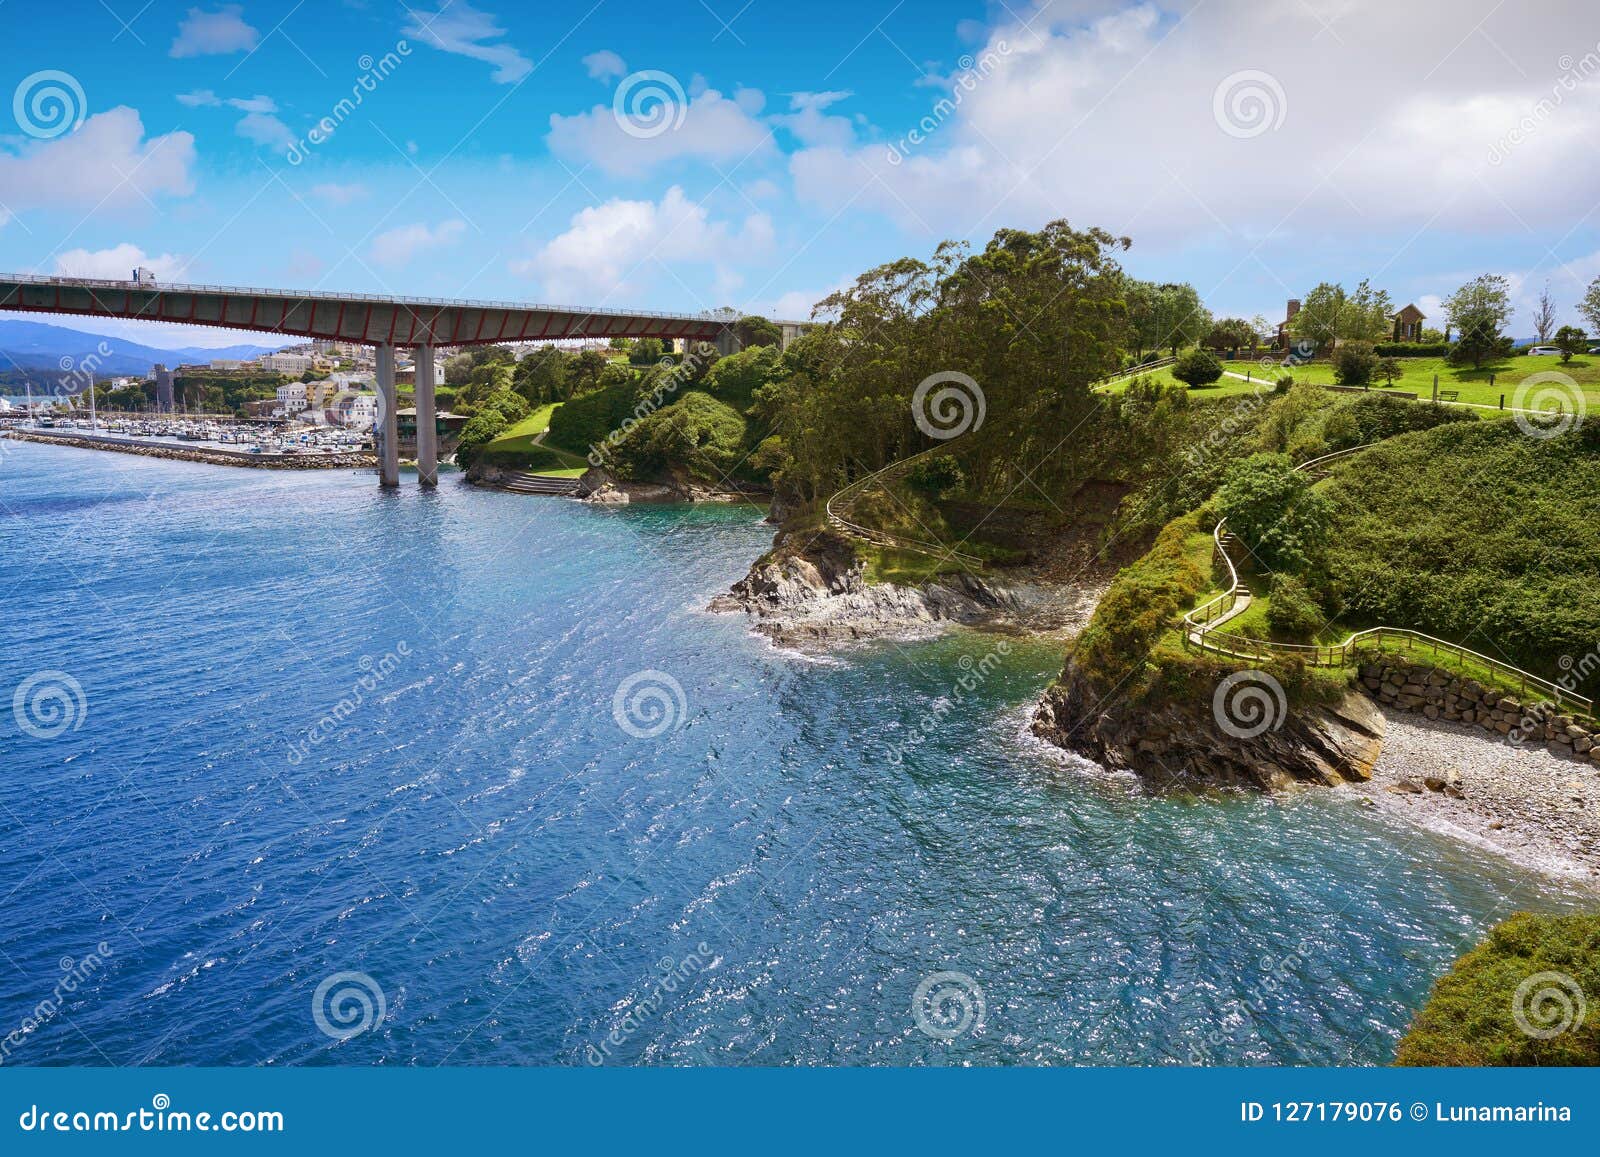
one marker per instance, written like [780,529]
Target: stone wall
[1522,720]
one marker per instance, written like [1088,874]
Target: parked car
[1544,351]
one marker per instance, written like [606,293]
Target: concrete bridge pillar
[387,433]
[728,342]
[427,419]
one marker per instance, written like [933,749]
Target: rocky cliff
[811,589]
[1260,742]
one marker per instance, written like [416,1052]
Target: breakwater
[213,455]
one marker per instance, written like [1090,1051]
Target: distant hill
[33,346]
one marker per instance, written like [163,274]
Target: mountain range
[34,346]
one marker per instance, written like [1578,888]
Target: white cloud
[712,128]
[216,33]
[609,249]
[108,163]
[808,121]
[264,129]
[604,65]
[1108,117]
[460,29]
[118,262]
[399,246]
[337,194]
[199,98]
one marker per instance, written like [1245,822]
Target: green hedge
[1414,349]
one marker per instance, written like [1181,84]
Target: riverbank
[212,456]
[1539,810]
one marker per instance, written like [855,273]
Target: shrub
[938,475]
[696,432]
[482,429]
[1471,1017]
[1354,363]
[1291,609]
[1272,507]
[1197,368]
[1412,349]
[1143,602]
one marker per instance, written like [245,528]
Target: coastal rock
[602,487]
[811,590]
[1328,744]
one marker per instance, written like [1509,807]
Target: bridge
[419,323]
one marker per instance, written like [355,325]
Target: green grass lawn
[1474,386]
[521,440]
[520,435]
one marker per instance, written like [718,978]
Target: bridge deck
[369,319]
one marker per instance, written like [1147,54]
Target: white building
[356,411]
[286,363]
[291,398]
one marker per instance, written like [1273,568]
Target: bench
[1449,395]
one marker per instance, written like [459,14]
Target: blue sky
[771,155]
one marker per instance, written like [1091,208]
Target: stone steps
[525,483]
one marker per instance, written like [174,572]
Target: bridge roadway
[419,323]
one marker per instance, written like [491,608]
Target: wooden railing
[838,506]
[1199,633]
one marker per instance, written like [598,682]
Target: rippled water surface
[328,730]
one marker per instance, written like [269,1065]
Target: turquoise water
[325,730]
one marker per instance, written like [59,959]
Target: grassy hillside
[1504,1002]
[1480,534]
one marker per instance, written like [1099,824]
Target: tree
[754,330]
[1544,316]
[1230,334]
[1271,506]
[541,376]
[1479,310]
[1168,316]
[1354,363]
[646,351]
[457,369]
[1197,368]
[1328,315]
[1590,305]
[1571,340]
[1389,369]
